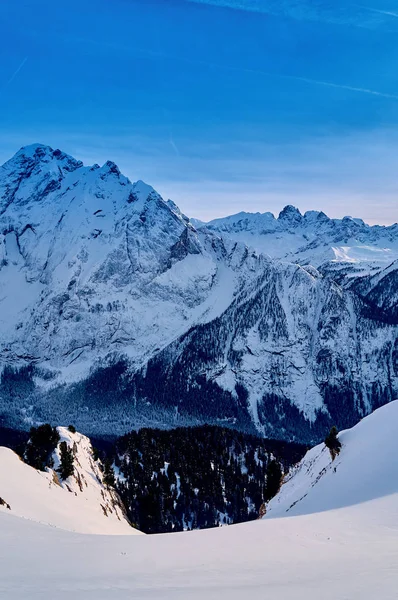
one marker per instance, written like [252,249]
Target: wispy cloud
[226,67]
[156,54]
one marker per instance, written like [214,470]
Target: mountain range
[117,311]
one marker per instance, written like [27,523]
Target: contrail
[15,72]
[342,86]
[247,7]
[380,12]
[311,81]
[339,85]
[173,145]
[194,61]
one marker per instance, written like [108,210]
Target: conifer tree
[65,468]
[333,443]
[274,479]
[42,442]
[109,476]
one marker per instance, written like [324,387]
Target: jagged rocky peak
[82,221]
[37,172]
[141,191]
[315,217]
[185,245]
[111,167]
[32,174]
[290,214]
[353,227]
[313,238]
[37,155]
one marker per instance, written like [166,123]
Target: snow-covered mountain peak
[313,238]
[111,167]
[77,228]
[142,190]
[315,217]
[290,215]
[36,156]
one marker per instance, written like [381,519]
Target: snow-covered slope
[116,312]
[313,238]
[350,553]
[81,503]
[365,469]
[347,554]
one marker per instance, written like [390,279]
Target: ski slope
[346,550]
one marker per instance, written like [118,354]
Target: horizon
[275,213]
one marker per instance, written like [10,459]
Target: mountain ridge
[312,237]
[116,313]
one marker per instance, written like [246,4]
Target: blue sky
[222,105]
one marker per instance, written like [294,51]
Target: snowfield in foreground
[345,548]
[347,554]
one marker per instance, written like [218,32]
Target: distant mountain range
[313,238]
[117,311]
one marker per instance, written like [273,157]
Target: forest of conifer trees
[199,477]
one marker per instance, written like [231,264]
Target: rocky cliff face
[117,312]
